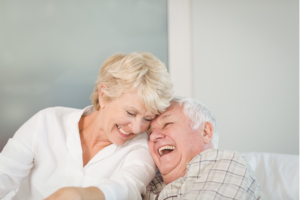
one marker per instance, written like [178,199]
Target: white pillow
[277,174]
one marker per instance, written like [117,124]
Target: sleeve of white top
[16,158]
[131,180]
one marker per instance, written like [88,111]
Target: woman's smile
[122,131]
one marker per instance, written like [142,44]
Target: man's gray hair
[198,113]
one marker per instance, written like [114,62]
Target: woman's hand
[77,193]
[66,193]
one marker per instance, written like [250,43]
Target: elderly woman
[99,152]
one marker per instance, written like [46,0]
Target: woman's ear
[101,96]
[208,132]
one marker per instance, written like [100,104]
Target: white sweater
[45,154]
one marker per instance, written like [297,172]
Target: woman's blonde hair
[138,71]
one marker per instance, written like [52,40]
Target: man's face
[173,143]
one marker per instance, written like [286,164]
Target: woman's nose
[135,126]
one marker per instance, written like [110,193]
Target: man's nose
[156,135]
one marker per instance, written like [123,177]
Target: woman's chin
[122,140]
[119,141]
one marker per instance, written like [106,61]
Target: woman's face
[124,118]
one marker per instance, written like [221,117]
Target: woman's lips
[121,131]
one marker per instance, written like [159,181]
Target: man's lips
[165,149]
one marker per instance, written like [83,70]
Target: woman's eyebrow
[137,111]
[152,116]
[131,108]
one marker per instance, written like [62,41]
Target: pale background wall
[239,57]
[244,67]
[51,51]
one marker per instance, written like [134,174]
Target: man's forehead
[165,116]
[159,120]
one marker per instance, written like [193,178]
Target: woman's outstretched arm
[16,158]
[77,193]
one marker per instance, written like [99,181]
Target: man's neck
[174,175]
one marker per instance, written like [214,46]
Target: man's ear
[101,96]
[208,132]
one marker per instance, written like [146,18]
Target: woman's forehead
[131,102]
[134,99]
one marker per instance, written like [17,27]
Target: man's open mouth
[165,149]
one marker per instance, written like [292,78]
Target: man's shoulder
[224,173]
[214,163]
[219,154]
[213,156]
[154,187]
[156,184]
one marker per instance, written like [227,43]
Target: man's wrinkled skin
[173,128]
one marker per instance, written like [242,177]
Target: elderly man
[183,142]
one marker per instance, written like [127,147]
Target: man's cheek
[151,149]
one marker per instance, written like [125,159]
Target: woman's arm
[16,158]
[77,193]
[128,183]
[131,180]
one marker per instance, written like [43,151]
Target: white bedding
[277,174]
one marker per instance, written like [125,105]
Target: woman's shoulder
[139,141]
[58,110]
[53,117]
[53,114]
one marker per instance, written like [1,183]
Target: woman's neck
[92,137]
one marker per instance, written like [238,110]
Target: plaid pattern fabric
[212,174]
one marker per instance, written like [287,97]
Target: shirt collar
[73,139]
[74,117]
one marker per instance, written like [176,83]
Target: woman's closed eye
[148,119]
[130,113]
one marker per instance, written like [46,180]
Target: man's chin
[171,175]
[167,169]
[171,170]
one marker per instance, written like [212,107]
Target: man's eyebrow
[162,119]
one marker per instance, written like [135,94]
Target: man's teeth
[160,150]
[122,131]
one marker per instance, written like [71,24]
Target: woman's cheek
[145,126]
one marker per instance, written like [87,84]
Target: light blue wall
[51,51]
